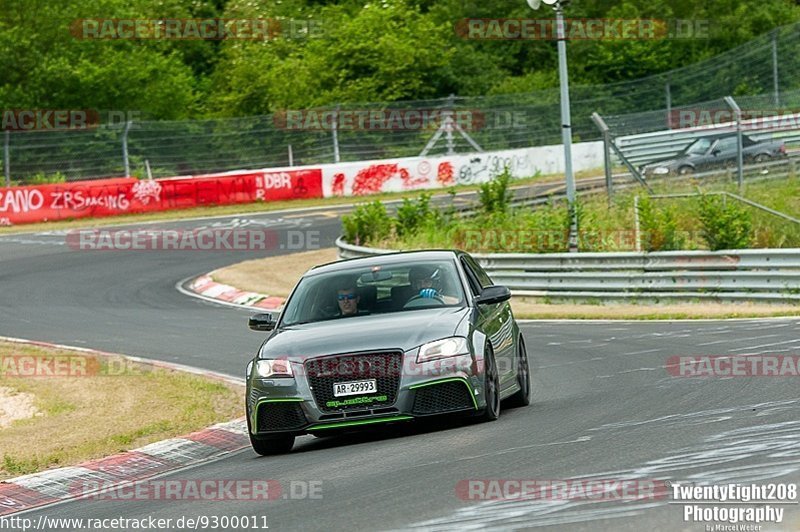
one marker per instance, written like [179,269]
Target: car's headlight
[274,368]
[449,347]
[660,170]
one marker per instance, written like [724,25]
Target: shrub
[411,215]
[495,196]
[725,224]
[658,227]
[44,179]
[369,223]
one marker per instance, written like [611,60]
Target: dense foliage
[704,221]
[360,50]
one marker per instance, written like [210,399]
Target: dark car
[384,339]
[717,151]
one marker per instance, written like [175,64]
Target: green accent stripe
[359,422]
[449,379]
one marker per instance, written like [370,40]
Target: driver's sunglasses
[348,297]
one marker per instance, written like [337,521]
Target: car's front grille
[384,367]
[280,416]
[444,397]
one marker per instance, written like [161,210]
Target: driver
[425,283]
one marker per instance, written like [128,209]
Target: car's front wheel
[523,396]
[270,445]
[491,387]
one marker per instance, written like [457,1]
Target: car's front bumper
[290,405]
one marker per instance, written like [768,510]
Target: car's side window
[472,279]
[727,145]
[482,276]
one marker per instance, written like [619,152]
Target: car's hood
[397,330]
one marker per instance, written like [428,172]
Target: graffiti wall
[110,197]
[412,173]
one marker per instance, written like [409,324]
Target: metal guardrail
[752,274]
[646,147]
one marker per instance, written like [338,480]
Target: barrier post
[125,161]
[7,157]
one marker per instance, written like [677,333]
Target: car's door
[725,151]
[496,321]
[706,159]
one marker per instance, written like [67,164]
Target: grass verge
[100,407]
[276,276]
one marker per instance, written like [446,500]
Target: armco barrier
[749,274]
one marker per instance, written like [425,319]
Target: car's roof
[719,136]
[384,259]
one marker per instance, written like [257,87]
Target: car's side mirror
[261,322]
[493,294]
[716,152]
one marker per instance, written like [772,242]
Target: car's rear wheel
[270,445]
[523,396]
[491,387]
[760,158]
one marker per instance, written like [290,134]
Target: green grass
[607,229]
[86,417]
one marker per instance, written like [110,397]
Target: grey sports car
[384,339]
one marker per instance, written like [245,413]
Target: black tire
[271,445]
[523,396]
[491,387]
[685,170]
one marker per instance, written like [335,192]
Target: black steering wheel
[419,301]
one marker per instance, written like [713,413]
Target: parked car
[385,339]
[715,151]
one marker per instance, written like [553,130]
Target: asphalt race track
[603,406]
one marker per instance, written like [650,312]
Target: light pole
[566,121]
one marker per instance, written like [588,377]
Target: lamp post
[566,121]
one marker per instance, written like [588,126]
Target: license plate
[341,389]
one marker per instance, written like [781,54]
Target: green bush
[369,223]
[411,215]
[725,224]
[495,196]
[658,227]
[45,179]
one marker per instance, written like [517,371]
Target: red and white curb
[54,485]
[206,287]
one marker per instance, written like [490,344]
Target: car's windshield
[698,147]
[397,287]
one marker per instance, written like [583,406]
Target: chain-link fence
[768,66]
